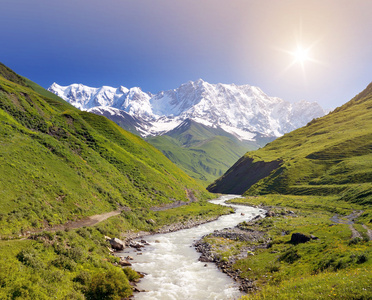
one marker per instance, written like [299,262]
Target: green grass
[324,171]
[76,264]
[332,155]
[203,153]
[332,266]
[53,263]
[60,164]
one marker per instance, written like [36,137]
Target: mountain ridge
[203,152]
[331,155]
[244,111]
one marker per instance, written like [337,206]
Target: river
[172,266]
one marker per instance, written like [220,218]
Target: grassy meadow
[59,165]
[335,265]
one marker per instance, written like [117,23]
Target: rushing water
[172,266]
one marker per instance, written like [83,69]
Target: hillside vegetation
[315,182]
[203,152]
[59,163]
[332,155]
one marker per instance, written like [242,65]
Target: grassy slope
[203,153]
[60,164]
[334,266]
[76,264]
[327,165]
[331,155]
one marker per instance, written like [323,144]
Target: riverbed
[172,266]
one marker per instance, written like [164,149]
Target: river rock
[269,214]
[136,245]
[117,244]
[150,221]
[124,263]
[313,237]
[299,238]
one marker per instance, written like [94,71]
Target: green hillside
[60,164]
[331,155]
[315,182]
[203,152]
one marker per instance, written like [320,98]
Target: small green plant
[290,256]
[131,274]
[112,284]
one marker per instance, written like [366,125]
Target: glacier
[242,110]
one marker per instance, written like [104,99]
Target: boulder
[117,244]
[269,214]
[313,237]
[256,218]
[298,238]
[136,245]
[124,263]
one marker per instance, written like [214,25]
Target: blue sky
[160,44]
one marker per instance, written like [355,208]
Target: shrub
[77,254]
[29,257]
[84,278]
[112,284]
[355,241]
[290,256]
[362,258]
[64,262]
[131,274]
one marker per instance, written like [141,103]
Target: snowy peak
[244,111]
[133,101]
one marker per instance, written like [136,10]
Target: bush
[77,254]
[83,278]
[290,256]
[131,274]
[112,284]
[355,241]
[29,257]
[64,262]
[362,258]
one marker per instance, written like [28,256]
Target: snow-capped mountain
[244,111]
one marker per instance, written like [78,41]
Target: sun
[301,54]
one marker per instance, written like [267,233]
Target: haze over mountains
[244,111]
[330,156]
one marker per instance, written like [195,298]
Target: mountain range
[244,111]
[204,128]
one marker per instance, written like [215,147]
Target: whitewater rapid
[172,266]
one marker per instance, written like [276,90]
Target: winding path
[88,221]
[349,220]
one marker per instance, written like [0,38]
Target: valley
[70,179]
[203,128]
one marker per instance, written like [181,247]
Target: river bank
[172,264]
[300,250]
[131,235]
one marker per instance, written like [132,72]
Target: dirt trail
[92,220]
[369,232]
[354,232]
[88,221]
[349,220]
